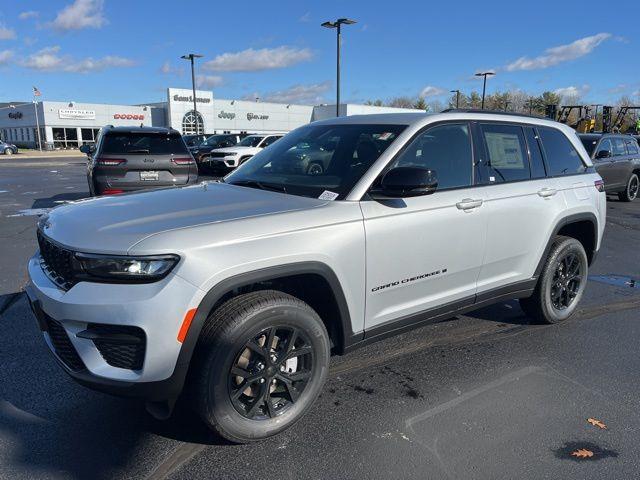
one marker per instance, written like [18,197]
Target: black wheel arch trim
[575,218]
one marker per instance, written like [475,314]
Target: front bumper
[157,309]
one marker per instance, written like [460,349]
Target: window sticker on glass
[504,150]
[328,195]
[385,136]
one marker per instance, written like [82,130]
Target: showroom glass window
[446,149]
[561,156]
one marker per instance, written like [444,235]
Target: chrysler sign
[75,114]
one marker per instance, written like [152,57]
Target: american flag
[36,92]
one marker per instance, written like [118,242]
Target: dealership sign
[74,114]
[256,116]
[15,115]
[189,98]
[227,115]
[128,116]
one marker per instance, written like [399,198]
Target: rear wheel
[631,192]
[561,284]
[8,151]
[261,361]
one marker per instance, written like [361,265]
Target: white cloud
[6,33]
[304,94]
[5,56]
[305,18]
[251,60]
[563,53]
[28,14]
[572,91]
[81,14]
[208,81]
[49,60]
[430,91]
[168,69]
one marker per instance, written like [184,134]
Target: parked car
[213,142]
[225,159]
[243,288]
[135,158]
[8,148]
[617,159]
[193,141]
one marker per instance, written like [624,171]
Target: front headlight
[143,269]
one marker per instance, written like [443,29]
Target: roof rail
[492,112]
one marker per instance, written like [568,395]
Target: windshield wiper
[261,185]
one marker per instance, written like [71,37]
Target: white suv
[225,159]
[242,288]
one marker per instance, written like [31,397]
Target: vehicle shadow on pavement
[508,312]
[58,199]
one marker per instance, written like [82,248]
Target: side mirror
[407,182]
[87,149]
[603,154]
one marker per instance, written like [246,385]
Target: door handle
[547,192]
[468,204]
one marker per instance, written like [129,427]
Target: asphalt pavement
[484,395]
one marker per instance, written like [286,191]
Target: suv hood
[114,224]
[237,149]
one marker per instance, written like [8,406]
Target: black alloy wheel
[270,372]
[566,282]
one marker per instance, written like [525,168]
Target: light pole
[191,57]
[337,24]
[484,83]
[457,92]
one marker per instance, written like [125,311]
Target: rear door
[621,165]
[145,159]
[522,205]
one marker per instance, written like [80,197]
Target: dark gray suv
[617,160]
[125,159]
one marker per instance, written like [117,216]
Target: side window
[506,153]
[605,146]
[632,147]
[268,141]
[562,157]
[618,147]
[446,149]
[535,154]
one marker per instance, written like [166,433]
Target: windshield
[589,143]
[251,141]
[143,143]
[317,160]
[215,140]
[192,140]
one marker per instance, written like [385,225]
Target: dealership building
[71,124]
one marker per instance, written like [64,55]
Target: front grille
[57,262]
[63,346]
[121,346]
[219,154]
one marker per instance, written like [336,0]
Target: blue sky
[127,51]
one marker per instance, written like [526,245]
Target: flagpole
[35,109]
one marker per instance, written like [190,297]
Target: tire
[315,169]
[234,336]
[556,297]
[8,151]
[631,192]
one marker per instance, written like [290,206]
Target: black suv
[617,160]
[125,159]
[223,140]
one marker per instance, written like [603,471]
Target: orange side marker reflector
[186,323]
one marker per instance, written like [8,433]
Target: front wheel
[260,363]
[561,284]
[631,192]
[8,151]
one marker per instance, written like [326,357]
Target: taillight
[111,191]
[110,162]
[183,161]
[599,184]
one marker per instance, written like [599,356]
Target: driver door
[426,252]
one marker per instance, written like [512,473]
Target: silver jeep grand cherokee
[243,288]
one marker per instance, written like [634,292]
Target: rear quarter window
[561,156]
[143,144]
